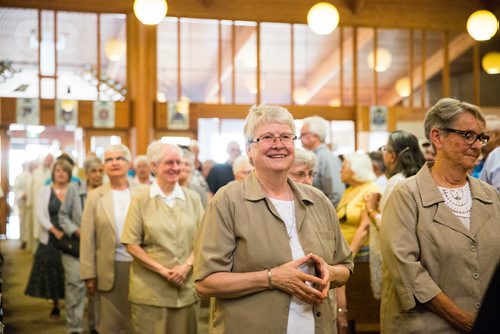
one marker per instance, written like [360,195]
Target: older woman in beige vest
[159,234]
[269,249]
[104,262]
[440,235]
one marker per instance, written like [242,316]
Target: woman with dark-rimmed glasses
[440,235]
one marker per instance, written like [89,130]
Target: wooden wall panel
[47,113]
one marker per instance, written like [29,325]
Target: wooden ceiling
[428,14]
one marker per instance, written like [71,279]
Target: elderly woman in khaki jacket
[269,249]
[104,261]
[159,232]
[440,235]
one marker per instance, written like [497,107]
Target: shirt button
[318,314]
[473,248]
[475,275]
[477,305]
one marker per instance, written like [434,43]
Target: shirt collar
[155,190]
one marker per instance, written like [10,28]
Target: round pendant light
[114,49]
[300,95]
[150,12]
[384,60]
[403,87]
[482,25]
[323,18]
[491,62]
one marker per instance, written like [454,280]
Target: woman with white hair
[302,170]
[269,249]
[142,170]
[159,234]
[104,262]
[357,172]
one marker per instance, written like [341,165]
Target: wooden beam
[327,68]
[445,76]
[429,14]
[241,36]
[433,64]
[476,74]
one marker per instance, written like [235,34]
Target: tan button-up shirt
[427,250]
[242,232]
[166,235]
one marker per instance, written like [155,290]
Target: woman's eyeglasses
[469,137]
[269,138]
[303,175]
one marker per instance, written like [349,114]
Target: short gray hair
[239,163]
[119,148]
[361,166]
[305,157]
[156,148]
[140,158]
[317,125]
[259,115]
[188,154]
[91,162]
[446,111]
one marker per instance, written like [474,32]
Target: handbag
[69,245]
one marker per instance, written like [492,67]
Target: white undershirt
[300,316]
[121,202]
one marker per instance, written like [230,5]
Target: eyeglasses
[304,134]
[117,159]
[384,148]
[470,137]
[269,138]
[171,163]
[303,175]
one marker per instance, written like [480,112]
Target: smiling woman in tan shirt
[269,249]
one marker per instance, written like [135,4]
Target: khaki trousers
[164,320]
[113,306]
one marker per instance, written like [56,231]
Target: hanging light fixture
[300,95]
[323,18]
[150,12]
[482,25]
[384,60]
[114,49]
[403,87]
[491,62]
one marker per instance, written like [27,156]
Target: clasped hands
[308,288]
[176,275]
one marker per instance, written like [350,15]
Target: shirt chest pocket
[325,245]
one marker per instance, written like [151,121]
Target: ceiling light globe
[482,25]
[384,60]
[150,12]
[403,87]
[491,62]
[323,18]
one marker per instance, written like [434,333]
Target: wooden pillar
[141,78]
[4,177]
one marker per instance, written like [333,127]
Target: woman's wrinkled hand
[323,272]
[289,278]
[178,274]
[372,200]
[58,234]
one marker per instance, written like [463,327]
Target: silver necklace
[290,195]
[293,215]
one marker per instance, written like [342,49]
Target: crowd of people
[273,236]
